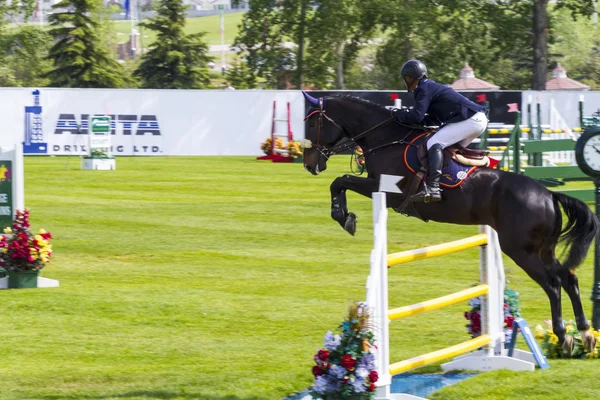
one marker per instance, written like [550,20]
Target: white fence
[147,122]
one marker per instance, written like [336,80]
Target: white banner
[149,122]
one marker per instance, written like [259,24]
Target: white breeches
[462,132]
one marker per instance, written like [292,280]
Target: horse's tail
[580,230]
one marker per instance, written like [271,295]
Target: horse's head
[332,119]
[321,134]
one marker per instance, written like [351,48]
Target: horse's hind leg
[571,285]
[544,276]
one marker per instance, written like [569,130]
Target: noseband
[337,148]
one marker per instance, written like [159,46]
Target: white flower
[362,373]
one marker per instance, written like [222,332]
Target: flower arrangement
[552,348]
[358,158]
[99,153]
[345,366]
[266,145]
[294,150]
[511,311]
[20,250]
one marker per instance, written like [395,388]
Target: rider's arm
[417,114]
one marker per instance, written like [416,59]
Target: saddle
[458,153]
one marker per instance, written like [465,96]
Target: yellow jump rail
[437,250]
[527,130]
[440,355]
[440,302]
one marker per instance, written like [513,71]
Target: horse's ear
[310,99]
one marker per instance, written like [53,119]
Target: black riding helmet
[414,68]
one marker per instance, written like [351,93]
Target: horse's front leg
[339,204]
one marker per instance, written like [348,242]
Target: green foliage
[20,49]
[175,60]
[577,48]
[27,49]
[10,10]
[79,54]
[260,41]
[240,76]
[336,32]
[492,39]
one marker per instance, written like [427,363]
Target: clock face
[591,153]
[587,152]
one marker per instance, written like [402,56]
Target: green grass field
[216,278]
[211,25]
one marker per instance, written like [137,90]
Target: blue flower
[359,385]
[332,383]
[367,362]
[337,371]
[332,341]
[475,302]
[320,384]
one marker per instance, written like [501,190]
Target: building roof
[560,81]
[467,81]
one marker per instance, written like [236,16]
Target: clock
[587,151]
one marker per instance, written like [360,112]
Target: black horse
[526,215]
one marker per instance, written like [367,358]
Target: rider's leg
[463,132]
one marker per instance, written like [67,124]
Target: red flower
[372,387]
[317,371]
[373,376]
[323,354]
[348,362]
[345,380]
[475,317]
[509,321]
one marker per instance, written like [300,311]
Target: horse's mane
[359,100]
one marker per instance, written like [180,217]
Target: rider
[462,121]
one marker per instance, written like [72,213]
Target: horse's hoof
[350,224]
[568,346]
[589,341]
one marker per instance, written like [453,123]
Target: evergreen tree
[78,55]
[175,60]
[240,76]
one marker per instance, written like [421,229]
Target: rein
[338,148]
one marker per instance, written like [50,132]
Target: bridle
[337,147]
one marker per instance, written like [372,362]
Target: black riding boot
[431,190]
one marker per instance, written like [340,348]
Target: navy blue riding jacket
[440,102]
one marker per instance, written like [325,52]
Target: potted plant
[512,310]
[266,145]
[98,153]
[345,366]
[553,349]
[294,151]
[23,254]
